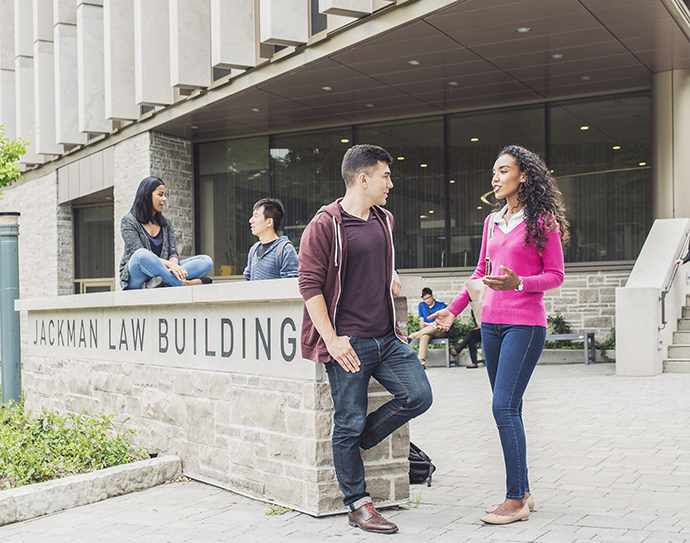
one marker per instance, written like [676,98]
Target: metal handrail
[670,284]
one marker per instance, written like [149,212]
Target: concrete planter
[39,499]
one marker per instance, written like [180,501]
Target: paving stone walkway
[609,462]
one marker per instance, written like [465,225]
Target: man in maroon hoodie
[348,281]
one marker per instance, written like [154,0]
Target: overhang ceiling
[470,56]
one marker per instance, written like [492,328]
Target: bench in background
[586,337]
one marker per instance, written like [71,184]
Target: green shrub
[558,325]
[52,445]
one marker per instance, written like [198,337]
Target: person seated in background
[427,331]
[271,257]
[470,340]
[150,257]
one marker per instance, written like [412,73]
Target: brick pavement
[609,461]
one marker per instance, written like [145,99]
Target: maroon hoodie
[322,265]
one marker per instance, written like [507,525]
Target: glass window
[305,174]
[94,242]
[417,200]
[599,150]
[232,176]
[600,153]
[474,139]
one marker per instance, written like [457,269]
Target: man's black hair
[425,291]
[362,158]
[273,209]
[142,208]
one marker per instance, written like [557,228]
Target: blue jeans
[144,264]
[511,352]
[392,363]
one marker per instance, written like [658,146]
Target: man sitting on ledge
[348,281]
[427,331]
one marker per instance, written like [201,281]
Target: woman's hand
[509,281]
[177,270]
[444,319]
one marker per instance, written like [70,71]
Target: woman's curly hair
[540,198]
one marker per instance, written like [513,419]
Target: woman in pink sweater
[525,259]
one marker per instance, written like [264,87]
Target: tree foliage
[11,150]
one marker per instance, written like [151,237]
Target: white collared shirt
[514,221]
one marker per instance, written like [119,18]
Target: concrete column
[44,79]
[152,52]
[24,78]
[284,22]
[118,19]
[670,144]
[66,78]
[190,43]
[90,67]
[8,115]
[347,8]
[10,352]
[233,35]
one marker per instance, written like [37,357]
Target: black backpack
[421,466]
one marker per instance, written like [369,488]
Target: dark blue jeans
[392,363]
[511,352]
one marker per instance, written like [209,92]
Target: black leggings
[473,337]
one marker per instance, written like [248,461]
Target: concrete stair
[678,360]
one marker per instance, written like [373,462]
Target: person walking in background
[150,257]
[271,257]
[427,331]
[525,259]
[348,281]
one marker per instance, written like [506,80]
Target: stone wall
[250,422]
[45,254]
[587,300]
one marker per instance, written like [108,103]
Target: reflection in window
[417,200]
[306,174]
[232,176]
[600,153]
[474,139]
[94,248]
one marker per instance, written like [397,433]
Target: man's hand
[509,281]
[397,285]
[342,352]
[444,319]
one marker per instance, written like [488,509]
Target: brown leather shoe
[369,520]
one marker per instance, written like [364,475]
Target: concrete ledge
[43,498]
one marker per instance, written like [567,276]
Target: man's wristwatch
[520,286]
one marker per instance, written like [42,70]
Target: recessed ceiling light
[479,207]
[452,181]
[474,139]
[431,211]
[616,147]
[557,56]
[454,83]
[344,140]
[194,127]
[414,62]
[585,78]
[584,127]
[642,164]
[422,216]
[369,105]
[401,158]
[326,88]
[523,30]
[423,165]
[256,109]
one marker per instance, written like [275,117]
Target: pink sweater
[539,271]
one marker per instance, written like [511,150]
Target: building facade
[229,101]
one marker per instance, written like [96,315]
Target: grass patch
[278,510]
[52,445]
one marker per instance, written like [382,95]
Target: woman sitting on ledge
[150,259]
